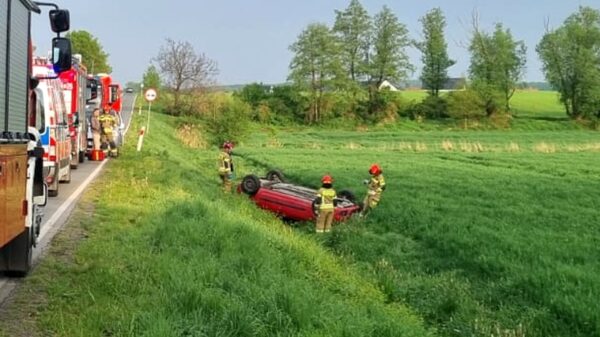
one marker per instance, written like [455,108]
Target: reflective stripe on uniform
[327,195]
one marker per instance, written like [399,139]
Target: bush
[466,105]
[254,94]
[287,103]
[231,122]
[383,106]
[431,107]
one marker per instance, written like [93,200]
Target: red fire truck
[103,92]
[111,93]
[74,83]
[22,188]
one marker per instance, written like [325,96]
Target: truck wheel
[54,191]
[74,163]
[68,176]
[275,175]
[348,195]
[16,257]
[250,184]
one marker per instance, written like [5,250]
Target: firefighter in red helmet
[225,163]
[325,201]
[375,187]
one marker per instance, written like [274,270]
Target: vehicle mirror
[61,54]
[59,20]
[114,93]
[92,92]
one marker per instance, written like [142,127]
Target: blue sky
[250,39]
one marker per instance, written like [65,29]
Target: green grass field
[497,231]
[479,233]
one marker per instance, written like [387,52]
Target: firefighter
[375,186]
[96,129]
[225,163]
[108,124]
[325,199]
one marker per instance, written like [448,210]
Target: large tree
[435,54]
[183,68]
[353,28]
[315,65]
[571,62]
[497,65]
[388,59]
[93,55]
[151,78]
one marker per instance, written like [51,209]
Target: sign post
[149,95]
[141,138]
[141,91]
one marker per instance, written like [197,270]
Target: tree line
[337,71]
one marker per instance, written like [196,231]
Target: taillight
[52,149]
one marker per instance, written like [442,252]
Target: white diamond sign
[150,95]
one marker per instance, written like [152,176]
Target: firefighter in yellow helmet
[325,200]
[375,187]
[225,163]
[108,123]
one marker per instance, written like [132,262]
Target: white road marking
[7,285]
[72,198]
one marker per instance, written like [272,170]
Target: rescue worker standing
[96,128]
[108,124]
[225,163]
[325,199]
[375,187]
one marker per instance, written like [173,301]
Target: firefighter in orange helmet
[325,200]
[225,163]
[375,187]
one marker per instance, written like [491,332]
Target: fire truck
[74,83]
[103,92]
[22,187]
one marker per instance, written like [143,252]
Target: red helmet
[327,179]
[227,146]
[375,169]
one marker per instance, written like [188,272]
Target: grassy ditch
[480,240]
[165,254]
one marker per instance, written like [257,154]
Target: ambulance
[55,135]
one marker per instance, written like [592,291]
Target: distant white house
[387,85]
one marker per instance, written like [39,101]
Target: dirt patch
[20,312]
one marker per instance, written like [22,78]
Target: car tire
[275,175]
[250,184]
[348,195]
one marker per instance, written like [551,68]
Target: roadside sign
[150,95]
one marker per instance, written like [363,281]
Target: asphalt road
[59,208]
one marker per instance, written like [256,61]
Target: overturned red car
[293,202]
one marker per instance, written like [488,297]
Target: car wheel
[275,175]
[348,195]
[250,184]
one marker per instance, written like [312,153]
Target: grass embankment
[166,254]
[481,233]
